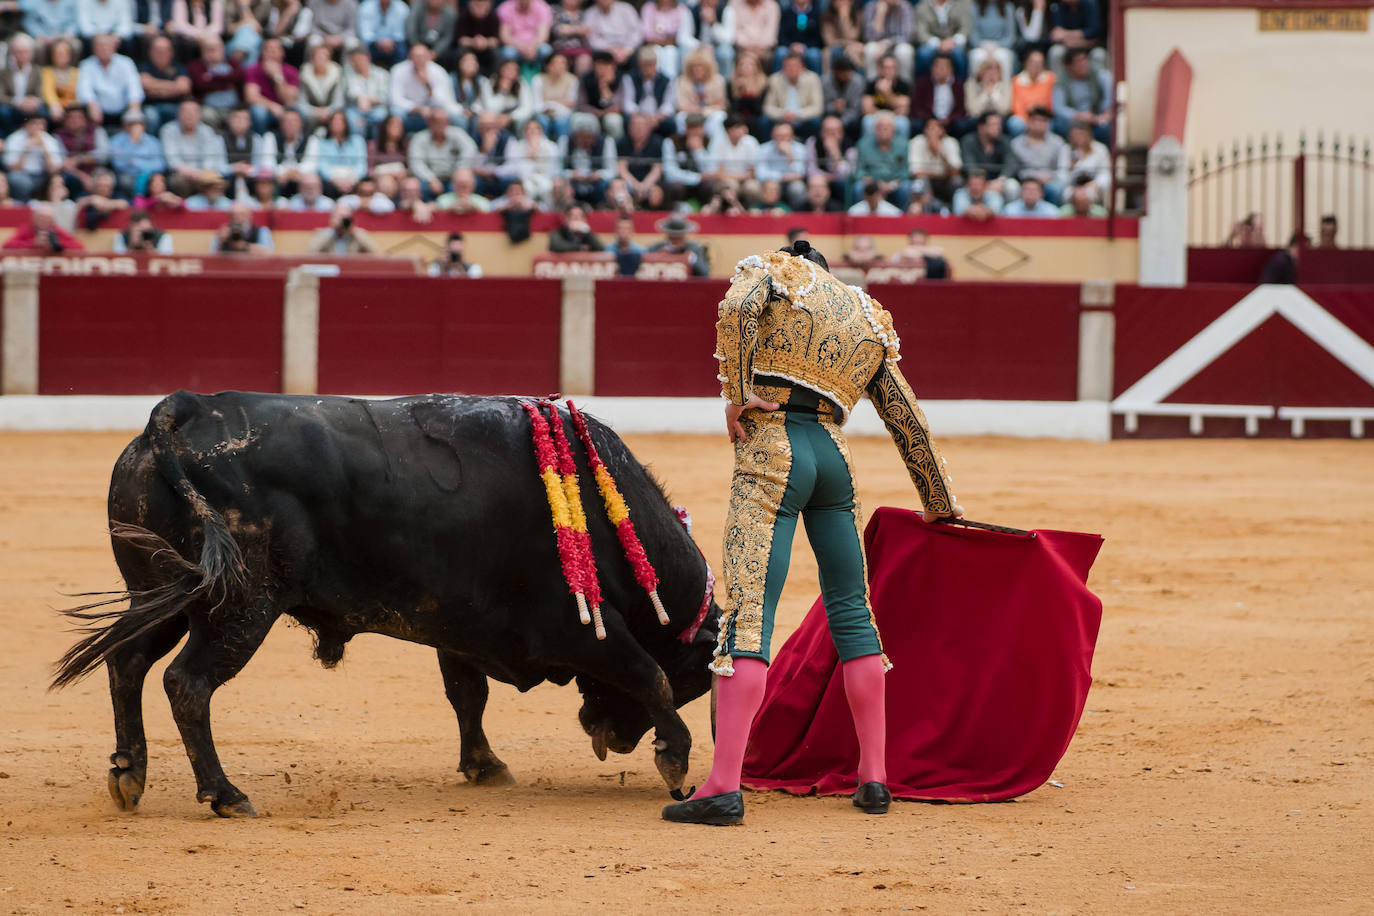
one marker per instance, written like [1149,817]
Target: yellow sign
[1309,20]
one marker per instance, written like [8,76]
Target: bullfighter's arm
[737,330]
[896,404]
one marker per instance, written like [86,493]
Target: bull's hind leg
[128,666]
[467,691]
[217,650]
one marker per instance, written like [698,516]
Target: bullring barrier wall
[1081,360]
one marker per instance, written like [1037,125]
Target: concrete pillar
[1096,340]
[300,364]
[1164,229]
[19,350]
[577,341]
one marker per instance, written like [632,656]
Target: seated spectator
[40,233]
[454,262]
[343,236]
[491,166]
[935,158]
[569,35]
[646,91]
[923,201]
[888,30]
[1248,233]
[1032,88]
[340,155]
[464,197]
[614,28]
[941,27]
[420,88]
[470,87]
[554,92]
[335,24]
[573,234]
[247,153]
[756,28]
[193,150]
[1327,233]
[478,31]
[58,81]
[86,146]
[31,154]
[618,197]
[99,202]
[262,193]
[389,152]
[842,32]
[863,254]
[434,24]
[988,150]
[1074,25]
[844,92]
[525,31]
[55,192]
[309,196]
[987,91]
[366,90]
[872,201]
[439,149]
[216,82]
[940,96]
[676,230]
[770,200]
[321,86]
[685,157]
[151,194]
[799,32]
[410,200]
[239,235]
[107,84]
[1282,266]
[827,157]
[920,253]
[134,152]
[51,21]
[629,254]
[1031,201]
[508,97]
[294,154]
[516,210]
[976,199]
[193,21]
[166,83]
[819,198]
[142,236]
[641,163]
[888,92]
[1037,153]
[1085,162]
[1030,24]
[291,22]
[883,159]
[1084,94]
[270,86]
[19,85]
[210,195]
[589,163]
[382,31]
[727,200]
[993,33]
[602,94]
[795,97]
[366,198]
[748,84]
[664,23]
[782,160]
[733,155]
[535,161]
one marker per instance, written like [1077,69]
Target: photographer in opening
[142,236]
[42,233]
[342,236]
[452,263]
[240,236]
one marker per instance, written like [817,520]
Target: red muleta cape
[991,636]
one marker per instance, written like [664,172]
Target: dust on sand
[1225,763]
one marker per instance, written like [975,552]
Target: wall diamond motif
[997,257]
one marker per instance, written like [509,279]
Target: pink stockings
[738,698]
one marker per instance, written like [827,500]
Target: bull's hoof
[495,774]
[125,788]
[673,770]
[241,808]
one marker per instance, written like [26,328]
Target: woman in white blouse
[555,95]
[321,86]
[988,90]
[1087,162]
[508,97]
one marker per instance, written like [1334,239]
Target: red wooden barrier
[410,335]
[657,340]
[146,335]
[987,340]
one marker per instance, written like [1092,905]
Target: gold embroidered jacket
[784,316]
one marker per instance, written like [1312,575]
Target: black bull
[418,518]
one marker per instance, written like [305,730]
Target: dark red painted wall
[408,335]
[657,339]
[149,335]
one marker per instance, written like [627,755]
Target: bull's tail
[219,573]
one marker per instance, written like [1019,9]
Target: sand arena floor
[1225,763]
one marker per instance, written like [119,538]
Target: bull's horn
[599,744]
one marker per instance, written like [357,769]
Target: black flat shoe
[872,798]
[724,810]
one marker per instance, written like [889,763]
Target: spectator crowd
[967,107]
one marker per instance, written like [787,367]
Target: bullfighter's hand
[956,511]
[732,412]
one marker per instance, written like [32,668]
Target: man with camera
[342,236]
[451,262]
[240,236]
[142,236]
[42,234]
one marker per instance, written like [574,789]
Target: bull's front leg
[466,688]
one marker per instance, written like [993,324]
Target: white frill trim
[892,343]
[753,261]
